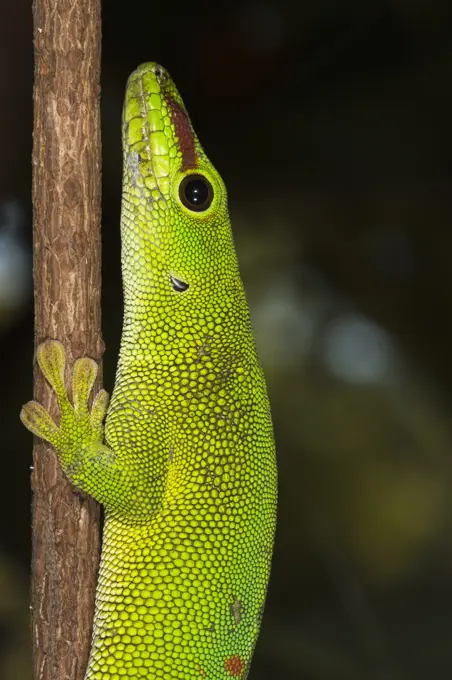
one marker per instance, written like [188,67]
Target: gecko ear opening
[179,286]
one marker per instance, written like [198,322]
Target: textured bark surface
[67,260]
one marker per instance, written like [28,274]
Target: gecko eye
[196,193]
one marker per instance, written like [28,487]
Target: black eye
[196,193]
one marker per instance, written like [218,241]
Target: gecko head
[176,236]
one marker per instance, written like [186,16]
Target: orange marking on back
[234,665]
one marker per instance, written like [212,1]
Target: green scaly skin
[185,465]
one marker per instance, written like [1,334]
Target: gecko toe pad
[51,359]
[37,420]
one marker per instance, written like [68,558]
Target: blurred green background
[331,124]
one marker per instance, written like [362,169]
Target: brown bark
[67,259]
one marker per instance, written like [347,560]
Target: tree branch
[67,259]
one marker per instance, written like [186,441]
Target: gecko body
[185,464]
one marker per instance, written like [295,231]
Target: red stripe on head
[184,134]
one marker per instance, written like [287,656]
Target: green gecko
[185,465]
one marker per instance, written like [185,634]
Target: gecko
[182,457]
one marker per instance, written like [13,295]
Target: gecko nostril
[179,286]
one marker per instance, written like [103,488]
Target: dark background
[331,125]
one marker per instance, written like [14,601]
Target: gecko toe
[84,375]
[37,420]
[51,359]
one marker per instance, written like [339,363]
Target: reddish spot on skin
[234,665]
[184,134]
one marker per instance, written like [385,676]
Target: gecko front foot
[79,428]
